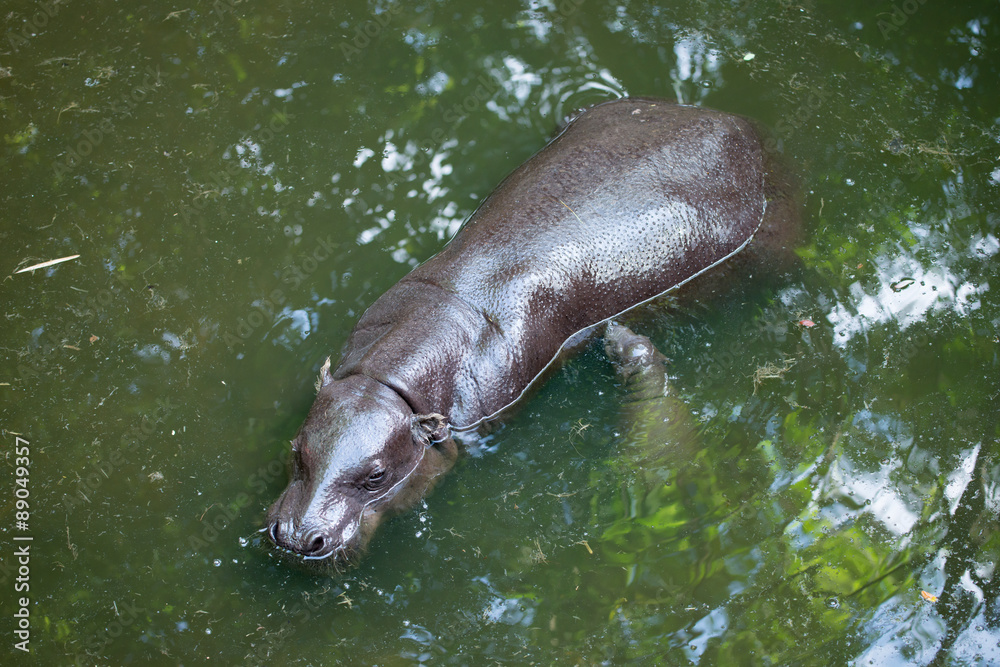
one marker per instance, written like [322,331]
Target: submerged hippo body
[633,199]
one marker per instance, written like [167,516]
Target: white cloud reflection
[908,291]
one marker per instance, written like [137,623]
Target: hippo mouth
[316,546]
[325,545]
[332,561]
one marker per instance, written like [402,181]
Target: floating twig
[45,264]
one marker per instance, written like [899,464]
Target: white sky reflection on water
[908,292]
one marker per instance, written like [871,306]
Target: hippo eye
[375,479]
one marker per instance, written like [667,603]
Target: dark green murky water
[241,179]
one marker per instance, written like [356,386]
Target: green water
[241,180]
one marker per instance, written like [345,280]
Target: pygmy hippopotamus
[633,199]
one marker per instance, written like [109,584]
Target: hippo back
[634,198]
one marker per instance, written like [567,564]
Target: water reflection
[698,69]
[506,87]
[926,290]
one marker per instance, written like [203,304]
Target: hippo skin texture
[633,199]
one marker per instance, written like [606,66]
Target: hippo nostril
[273,532]
[315,544]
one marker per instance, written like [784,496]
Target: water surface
[242,179]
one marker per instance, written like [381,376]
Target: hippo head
[360,456]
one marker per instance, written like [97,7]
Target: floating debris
[901,285]
[771,371]
[45,264]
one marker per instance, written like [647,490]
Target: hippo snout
[313,544]
[310,526]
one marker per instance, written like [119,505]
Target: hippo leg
[638,362]
[658,426]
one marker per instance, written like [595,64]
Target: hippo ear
[324,376]
[430,428]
